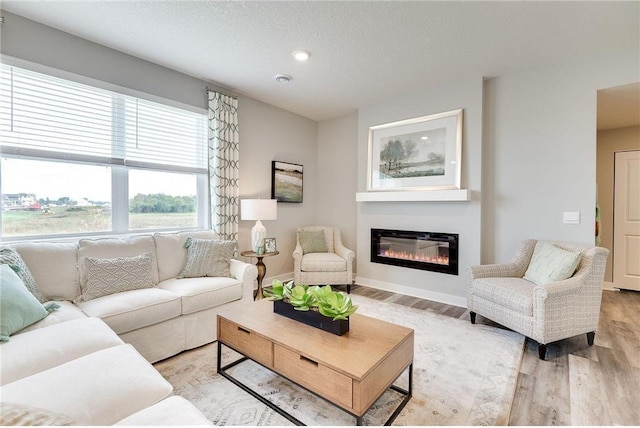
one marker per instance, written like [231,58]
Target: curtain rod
[220,91]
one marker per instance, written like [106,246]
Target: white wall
[337,175]
[540,152]
[463,218]
[266,133]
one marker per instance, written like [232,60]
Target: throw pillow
[208,257]
[11,257]
[18,307]
[20,415]
[312,241]
[103,277]
[550,264]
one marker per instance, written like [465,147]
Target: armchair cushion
[550,263]
[312,241]
[323,262]
[513,293]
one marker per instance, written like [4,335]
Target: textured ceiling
[361,52]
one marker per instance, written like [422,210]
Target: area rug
[463,374]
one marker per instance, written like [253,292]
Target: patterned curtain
[224,170]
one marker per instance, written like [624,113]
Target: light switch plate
[571,217]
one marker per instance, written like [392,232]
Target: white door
[626,221]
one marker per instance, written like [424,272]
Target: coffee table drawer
[246,342]
[318,378]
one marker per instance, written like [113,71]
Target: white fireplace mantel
[414,195]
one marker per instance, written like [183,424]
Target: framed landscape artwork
[286,181]
[423,153]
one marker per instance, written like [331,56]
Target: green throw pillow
[208,257]
[18,307]
[11,257]
[550,264]
[312,241]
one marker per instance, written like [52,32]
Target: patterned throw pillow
[9,256]
[312,241]
[21,415]
[208,257]
[550,264]
[102,277]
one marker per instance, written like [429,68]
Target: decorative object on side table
[270,245]
[319,307]
[262,269]
[286,181]
[258,209]
[423,153]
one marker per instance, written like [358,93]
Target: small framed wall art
[423,153]
[270,245]
[286,182]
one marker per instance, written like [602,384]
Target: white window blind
[47,117]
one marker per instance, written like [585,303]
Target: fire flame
[440,260]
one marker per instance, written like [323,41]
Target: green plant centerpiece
[326,309]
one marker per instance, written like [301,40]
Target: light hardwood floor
[577,384]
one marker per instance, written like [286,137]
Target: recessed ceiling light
[283,78]
[301,55]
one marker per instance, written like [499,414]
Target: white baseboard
[414,292]
[608,286]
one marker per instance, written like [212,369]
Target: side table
[262,269]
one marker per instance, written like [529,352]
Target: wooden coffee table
[350,371]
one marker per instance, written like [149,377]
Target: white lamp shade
[259,209]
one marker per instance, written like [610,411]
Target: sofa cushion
[18,415]
[550,263]
[102,277]
[208,257]
[54,267]
[323,262]
[18,307]
[44,348]
[203,293]
[312,241]
[110,248]
[134,309]
[11,258]
[66,312]
[101,388]
[174,410]
[513,293]
[172,256]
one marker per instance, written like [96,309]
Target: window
[76,159]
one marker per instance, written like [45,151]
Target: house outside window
[80,160]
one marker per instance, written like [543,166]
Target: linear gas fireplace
[436,252]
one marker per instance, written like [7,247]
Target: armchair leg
[473,317]
[590,336]
[542,351]
[349,288]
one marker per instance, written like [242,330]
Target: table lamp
[258,210]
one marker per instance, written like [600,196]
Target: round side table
[262,269]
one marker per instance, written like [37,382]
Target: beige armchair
[331,267]
[546,313]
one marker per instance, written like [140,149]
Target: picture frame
[423,153]
[270,245]
[287,182]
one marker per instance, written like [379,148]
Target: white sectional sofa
[161,321]
[90,362]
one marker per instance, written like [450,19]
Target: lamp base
[258,233]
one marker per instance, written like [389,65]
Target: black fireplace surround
[437,252]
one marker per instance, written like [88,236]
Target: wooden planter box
[312,318]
